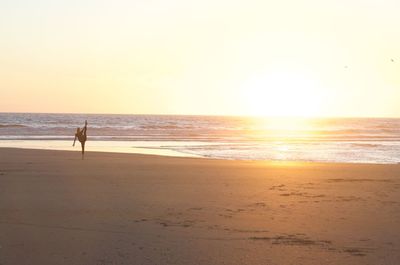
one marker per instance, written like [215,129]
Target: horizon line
[208,115]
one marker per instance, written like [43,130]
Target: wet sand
[140,209]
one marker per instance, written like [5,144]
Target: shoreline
[121,147]
[148,151]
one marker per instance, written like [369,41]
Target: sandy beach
[140,209]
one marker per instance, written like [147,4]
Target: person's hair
[78,130]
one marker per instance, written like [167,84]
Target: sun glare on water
[289,94]
[283,129]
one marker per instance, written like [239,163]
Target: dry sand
[138,209]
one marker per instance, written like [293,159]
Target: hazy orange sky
[303,57]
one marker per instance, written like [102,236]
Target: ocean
[348,140]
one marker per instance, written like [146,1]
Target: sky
[212,57]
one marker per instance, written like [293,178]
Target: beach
[116,208]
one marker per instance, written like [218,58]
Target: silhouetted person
[81,135]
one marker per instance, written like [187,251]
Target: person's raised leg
[85,129]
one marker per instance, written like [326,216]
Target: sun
[282,93]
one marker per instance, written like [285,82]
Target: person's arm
[74,140]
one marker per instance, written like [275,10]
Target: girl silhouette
[81,135]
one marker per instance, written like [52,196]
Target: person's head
[78,130]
